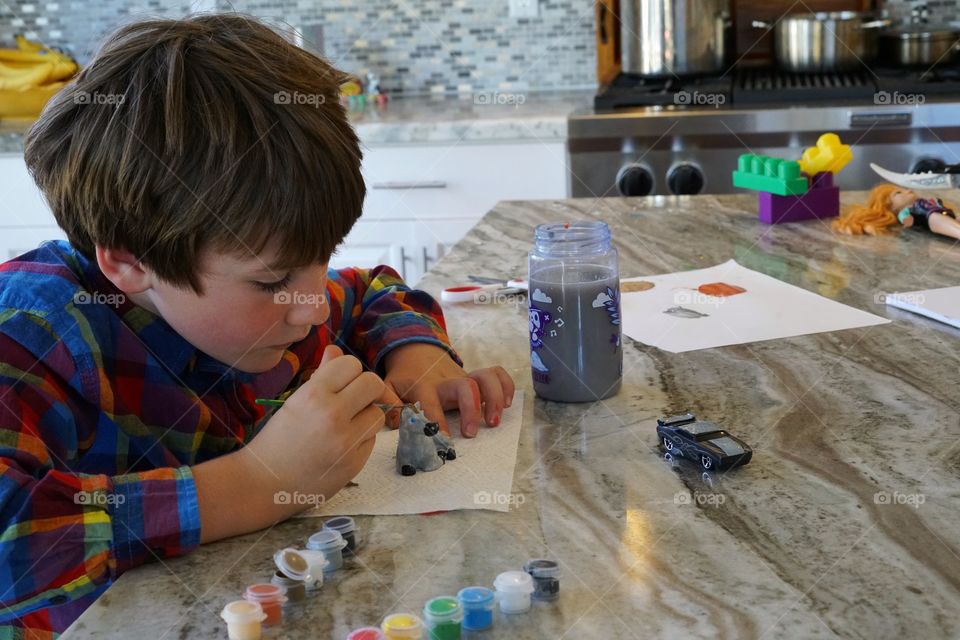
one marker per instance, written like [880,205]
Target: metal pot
[919,45]
[675,37]
[824,41]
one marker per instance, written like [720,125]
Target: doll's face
[902,198]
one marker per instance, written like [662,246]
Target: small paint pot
[477,605]
[513,591]
[270,597]
[317,563]
[402,626]
[366,633]
[243,619]
[331,543]
[546,578]
[292,572]
[296,589]
[348,529]
[442,617]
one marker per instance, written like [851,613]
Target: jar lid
[514,582]
[475,596]
[366,633]
[326,540]
[243,612]
[402,625]
[316,561]
[265,592]
[343,524]
[292,564]
[442,609]
[542,568]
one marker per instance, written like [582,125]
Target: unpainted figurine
[891,205]
[421,446]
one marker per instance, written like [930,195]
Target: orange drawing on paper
[720,289]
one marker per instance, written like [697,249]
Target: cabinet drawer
[459,181]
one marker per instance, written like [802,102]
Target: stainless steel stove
[672,136]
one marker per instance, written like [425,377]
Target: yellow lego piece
[829,155]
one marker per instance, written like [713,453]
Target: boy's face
[249,314]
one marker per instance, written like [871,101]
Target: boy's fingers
[339,372]
[464,394]
[507,384]
[433,409]
[370,421]
[332,351]
[390,397]
[362,393]
[492,393]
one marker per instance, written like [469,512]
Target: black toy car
[702,441]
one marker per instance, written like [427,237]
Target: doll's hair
[872,218]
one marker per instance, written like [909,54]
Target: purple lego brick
[821,201]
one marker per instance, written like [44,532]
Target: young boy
[201,211]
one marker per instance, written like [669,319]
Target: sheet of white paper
[769,309]
[942,305]
[481,477]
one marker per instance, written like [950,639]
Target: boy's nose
[309,309]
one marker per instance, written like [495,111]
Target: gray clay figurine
[421,446]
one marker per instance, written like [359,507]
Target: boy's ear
[123,269]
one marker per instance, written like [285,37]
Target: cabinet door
[22,204]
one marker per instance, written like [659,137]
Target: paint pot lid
[402,625]
[514,582]
[316,561]
[366,633]
[242,612]
[326,540]
[475,596]
[542,568]
[443,609]
[265,592]
[343,524]
[292,563]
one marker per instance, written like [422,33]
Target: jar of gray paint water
[574,313]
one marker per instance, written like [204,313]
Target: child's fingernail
[495,420]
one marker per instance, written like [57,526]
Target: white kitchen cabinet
[422,199]
[25,218]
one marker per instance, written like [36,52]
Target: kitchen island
[845,524]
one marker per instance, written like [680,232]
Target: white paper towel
[481,477]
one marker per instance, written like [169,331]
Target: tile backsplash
[415,46]
[932,11]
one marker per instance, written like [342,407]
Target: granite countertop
[796,544]
[482,117]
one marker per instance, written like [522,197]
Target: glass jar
[574,313]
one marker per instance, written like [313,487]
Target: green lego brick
[773,175]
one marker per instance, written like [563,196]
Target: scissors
[482,288]
[949,178]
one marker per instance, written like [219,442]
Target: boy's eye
[273,287]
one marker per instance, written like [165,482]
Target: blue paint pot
[477,604]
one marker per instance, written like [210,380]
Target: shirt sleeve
[63,534]
[372,312]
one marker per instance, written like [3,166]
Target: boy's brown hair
[210,132]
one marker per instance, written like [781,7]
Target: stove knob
[685,179]
[924,165]
[635,180]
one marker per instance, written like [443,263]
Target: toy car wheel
[667,444]
[706,462]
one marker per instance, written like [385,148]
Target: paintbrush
[383,406]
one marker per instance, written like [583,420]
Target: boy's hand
[324,433]
[426,373]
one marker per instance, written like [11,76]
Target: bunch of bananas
[29,76]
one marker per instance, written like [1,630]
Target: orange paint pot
[270,597]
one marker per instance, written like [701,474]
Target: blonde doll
[889,205]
